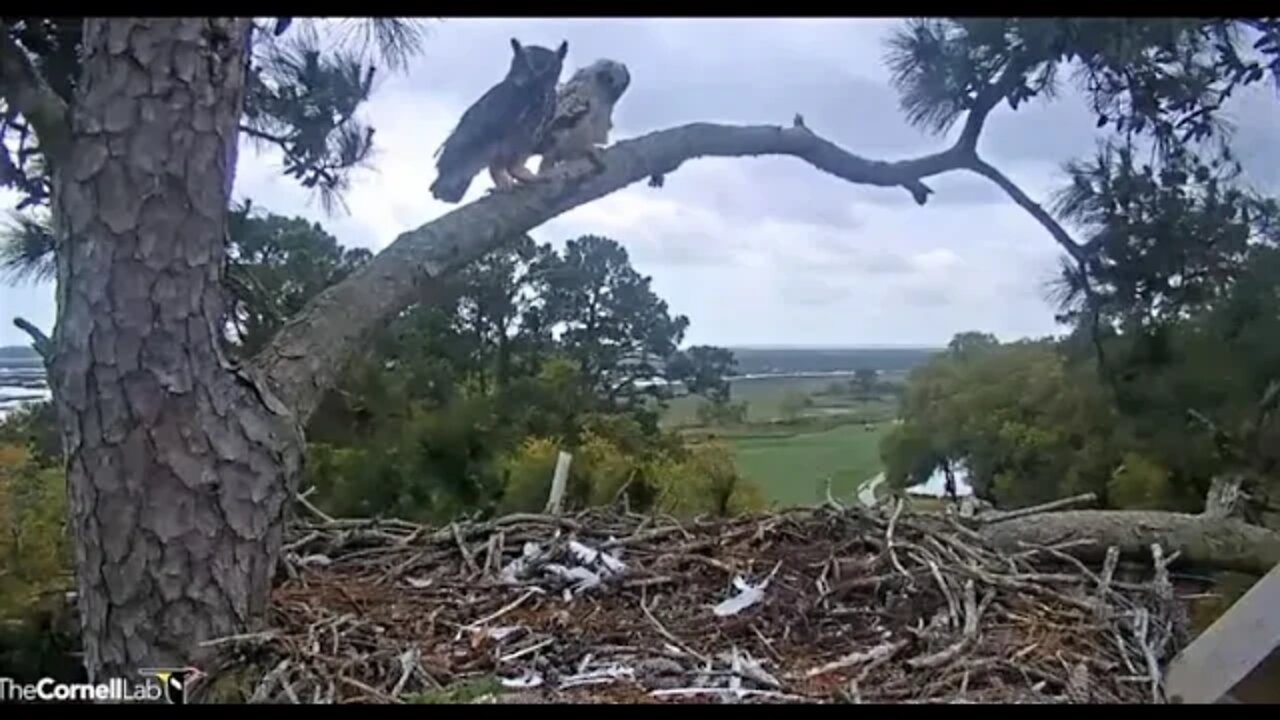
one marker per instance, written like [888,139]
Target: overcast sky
[761,251]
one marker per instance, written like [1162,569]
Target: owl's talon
[522,174]
[501,178]
[597,160]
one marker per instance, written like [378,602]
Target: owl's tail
[450,188]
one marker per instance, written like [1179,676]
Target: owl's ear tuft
[563,50]
[516,47]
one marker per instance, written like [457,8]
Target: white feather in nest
[747,596]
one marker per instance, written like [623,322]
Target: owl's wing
[573,105]
[483,124]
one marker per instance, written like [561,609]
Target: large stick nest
[812,605]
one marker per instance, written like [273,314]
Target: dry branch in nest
[809,605]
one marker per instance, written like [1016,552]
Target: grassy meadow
[791,460]
[792,469]
[763,395]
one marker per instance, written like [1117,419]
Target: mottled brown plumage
[500,130]
[583,115]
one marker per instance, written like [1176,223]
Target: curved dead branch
[39,341]
[305,357]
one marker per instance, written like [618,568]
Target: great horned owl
[500,130]
[584,114]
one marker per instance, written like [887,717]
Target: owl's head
[536,65]
[611,76]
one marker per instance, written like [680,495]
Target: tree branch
[282,142]
[25,90]
[306,356]
[41,342]
[984,103]
[1041,215]
[264,135]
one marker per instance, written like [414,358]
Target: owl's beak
[618,79]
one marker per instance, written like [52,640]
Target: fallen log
[1004,516]
[1200,540]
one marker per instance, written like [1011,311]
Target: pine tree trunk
[178,473]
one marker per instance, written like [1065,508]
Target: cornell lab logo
[174,682]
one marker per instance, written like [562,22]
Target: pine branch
[1042,216]
[39,341]
[302,361]
[26,91]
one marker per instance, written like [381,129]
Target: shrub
[33,541]
[704,482]
[696,481]
[35,427]
[1139,484]
[527,475]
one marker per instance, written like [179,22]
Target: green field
[791,461]
[792,470]
[762,395]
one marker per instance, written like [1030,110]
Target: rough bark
[1202,540]
[178,473]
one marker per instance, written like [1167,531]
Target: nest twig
[810,605]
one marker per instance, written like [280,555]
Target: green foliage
[419,421]
[436,464]
[909,455]
[612,323]
[1024,424]
[607,470]
[33,543]
[1165,292]
[1033,421]
[1184,315]
[1166,78]
[527,476]
[1139,483]
[703,370]
[26,249]
[34,428]
[274,266]
[703,482]
[453,405]
[37,632]
[1161,241]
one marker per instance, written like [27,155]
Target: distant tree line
[753,361]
